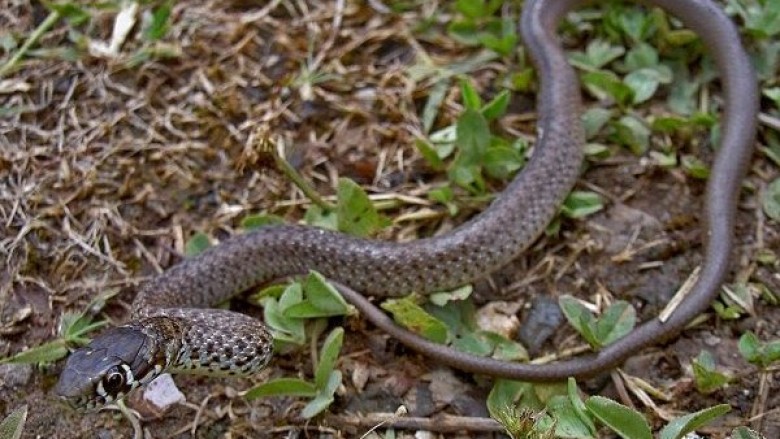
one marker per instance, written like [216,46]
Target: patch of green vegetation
[289,309]
[615,322]
[79,16]
[73,331]
[326,379]
[12,426]
[706,375]
[758,353]
[478,25]
[564,414]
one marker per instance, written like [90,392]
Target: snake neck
[165,336]
[197,343]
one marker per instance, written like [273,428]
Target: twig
[441,424]
[53,17]
[138,432]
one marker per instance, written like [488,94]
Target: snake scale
[173,329]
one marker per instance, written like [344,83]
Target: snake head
[107,369]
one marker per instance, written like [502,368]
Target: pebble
[13,376]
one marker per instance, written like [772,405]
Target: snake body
[173,329]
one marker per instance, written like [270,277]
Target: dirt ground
[106,169]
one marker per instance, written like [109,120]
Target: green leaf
[522,80]
[355,212]
[773,93]
[252,222]
[317,216]
[578,316]
[159,24]
[707,378]
[464,32]
[323,296]
[597,151]
[45,353]
[588,325]
[432,105]
[467,176]
[594,119]
[444,297]
[197,244]
[770,199]
[457,315]
[497,106]
[411,316]
[772,351]
[507,350]
[579,204]
[474,343]
[745,433]
[642,56]
[285,329]
[604,84]
[632,133]
[579,405]
[445,196]
[76,330]
[618,320]
[569,424]
[644,82]
[473,136]
[670,124]
[598,54]
[626,422]
[71,12]
[282,387]
[499,35]
[760,354]
[505,394]
[13,424]
[695,167]
[573,310]
[274,291]
[501,162]
[689,423]
[730,312]
[429,154]
[471,8]
[324,398]
[471,99]
[328,356]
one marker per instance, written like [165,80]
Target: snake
[173,326]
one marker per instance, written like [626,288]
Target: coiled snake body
[173,329]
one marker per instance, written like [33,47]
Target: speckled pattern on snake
[173,329]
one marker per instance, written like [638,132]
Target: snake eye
[114,380]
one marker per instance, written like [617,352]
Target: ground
[110,163]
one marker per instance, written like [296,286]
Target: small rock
[419,400]
[445,386]
[360,375]
[13,376]
[468,405]
[540,323]
[499,317]
[373,399]
[158,396]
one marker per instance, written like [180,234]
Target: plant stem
[53,17]
[296,178]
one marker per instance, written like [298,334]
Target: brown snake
[173,329]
